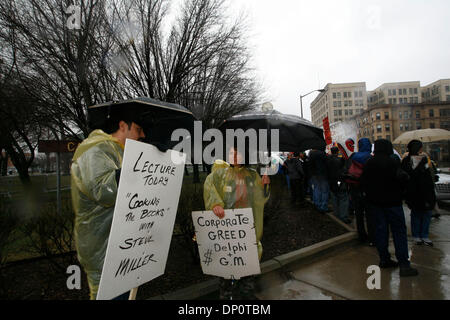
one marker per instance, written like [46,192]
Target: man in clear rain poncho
[95,174]
[234,186]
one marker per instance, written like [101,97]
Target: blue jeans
[321,191]
[420,223]
[340,204]
[393,218]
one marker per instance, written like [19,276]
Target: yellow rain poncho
[94,191]
[235,188]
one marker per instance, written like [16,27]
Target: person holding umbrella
[234,185]
[95,175]
[420,195]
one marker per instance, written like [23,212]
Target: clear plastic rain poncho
[94,191]
[235,188]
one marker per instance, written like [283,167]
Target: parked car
[443,187]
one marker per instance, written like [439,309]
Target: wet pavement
[342,273]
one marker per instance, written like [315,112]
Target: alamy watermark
[251,145]
[374,281]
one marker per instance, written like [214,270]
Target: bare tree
[68,67]
[202,63]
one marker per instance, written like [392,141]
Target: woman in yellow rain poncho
[234,186]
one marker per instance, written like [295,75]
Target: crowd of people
[372,187]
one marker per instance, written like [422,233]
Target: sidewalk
[341,274]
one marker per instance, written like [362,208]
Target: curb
[202,289]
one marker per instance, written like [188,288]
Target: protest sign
[227,247]
[144,216]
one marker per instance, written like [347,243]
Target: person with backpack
[384,183]
[420,194]
[338,187]
[362,211]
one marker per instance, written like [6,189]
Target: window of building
[406,126]
[445,125]
[394,101]
[432,125]
[444,112]
[346,112]
[350,103]
[349,94]
[400,115]
[401,100]
[334,95]
[345,94]
[378,116]
[388,127]
[390,100]
[388,137]
[431,112]
[335,113]
[404,92]
[335,104]
[386,116]
[394,92]
[448,98]
[401,126]
[399,92]
[417,114]
[345,103]
[411,91]
[416,91]
[406,114]
[389,92]
[340,112]
[360,94]
[350,112]
[411,100]
[418,125]
[379,130]
[338,95]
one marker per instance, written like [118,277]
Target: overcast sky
[300,45]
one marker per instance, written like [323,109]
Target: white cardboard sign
[227,247]
[144,216]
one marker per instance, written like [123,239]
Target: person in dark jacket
[420,195]
[295,172]
[362,209]
[319,179]
[384,185]
[306,163]
[338,187]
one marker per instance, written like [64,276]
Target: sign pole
[133,294]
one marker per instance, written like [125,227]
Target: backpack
[354,173]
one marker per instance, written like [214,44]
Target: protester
[338,187]
[361,208]
[95,173]
[319,179]
[234,186]
[420,196]
[296,175]
[306,164]
[384,184]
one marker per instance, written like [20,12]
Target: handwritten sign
[227,246]
[144,216]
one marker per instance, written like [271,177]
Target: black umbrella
[296,134]
[158,119]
